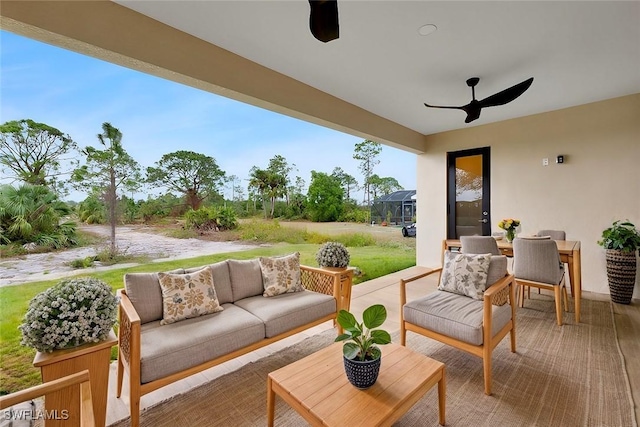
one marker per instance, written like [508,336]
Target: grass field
[17,372]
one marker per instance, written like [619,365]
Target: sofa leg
[486,365]
[134,404]
[403,334]
[120,376]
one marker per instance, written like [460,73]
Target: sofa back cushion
[221,280]
[143,289]
[246,278]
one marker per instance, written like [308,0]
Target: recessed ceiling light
[427,29]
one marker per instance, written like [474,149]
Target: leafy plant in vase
[362,357]
[333,255]
[621,242]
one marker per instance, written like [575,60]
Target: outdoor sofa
[155,350]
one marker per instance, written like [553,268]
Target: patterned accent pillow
[187,295]
[281,274]
[465,274]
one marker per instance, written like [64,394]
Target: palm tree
[32,213]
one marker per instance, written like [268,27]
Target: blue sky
[76,94]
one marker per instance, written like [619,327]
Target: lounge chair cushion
[454,315]
[290,310]
[187,295]
[173,348]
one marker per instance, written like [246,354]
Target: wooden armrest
[497,293]
[403,282]
[336,283]
[42,389]
[126,306]
[128,330]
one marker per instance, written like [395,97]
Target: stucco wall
[598,183]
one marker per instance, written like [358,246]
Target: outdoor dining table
[569,253]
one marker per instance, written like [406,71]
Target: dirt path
[135,241]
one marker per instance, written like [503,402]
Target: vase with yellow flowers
[509,225]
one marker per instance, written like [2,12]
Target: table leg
[442,398]
[577,276]
[270,403]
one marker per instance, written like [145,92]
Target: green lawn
[16,370]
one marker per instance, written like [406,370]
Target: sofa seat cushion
[454,315]
[178,346]
[282,313]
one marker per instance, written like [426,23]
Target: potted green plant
[333,255]
[621,242]
[361,355]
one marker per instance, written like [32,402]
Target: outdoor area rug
[571,375]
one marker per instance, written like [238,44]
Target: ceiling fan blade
[323,20]
[506,95]
[443,106]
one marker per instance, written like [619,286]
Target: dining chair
[474,316]
[554,234]
[479,245]
[536,263]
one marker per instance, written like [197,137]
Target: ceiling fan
[473,108]
[323,20]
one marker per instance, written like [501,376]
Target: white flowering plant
[73,312]
[333,254]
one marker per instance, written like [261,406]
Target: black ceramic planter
[362,374]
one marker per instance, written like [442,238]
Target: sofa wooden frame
[336,283]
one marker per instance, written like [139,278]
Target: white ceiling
[577,51]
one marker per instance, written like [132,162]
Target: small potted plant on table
[621,242]
[362,357]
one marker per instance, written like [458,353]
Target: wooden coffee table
[318,389]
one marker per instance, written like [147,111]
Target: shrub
[71,313]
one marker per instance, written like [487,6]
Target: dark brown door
[468,193]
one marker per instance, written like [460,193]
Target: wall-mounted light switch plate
[545,161]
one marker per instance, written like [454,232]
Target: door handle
[484,220]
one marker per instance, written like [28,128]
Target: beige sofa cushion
[187,295]
[284,312]
[246,278]
[143,289]
[168,349]
[221,279]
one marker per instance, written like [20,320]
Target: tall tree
[324,198]
[347,181]
[279,167]
[195,175]
[269,185]
[108,170]
[36,152]
[367,152]
[383,185]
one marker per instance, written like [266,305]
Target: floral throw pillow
[187,295]
[281,274]
[465,274]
